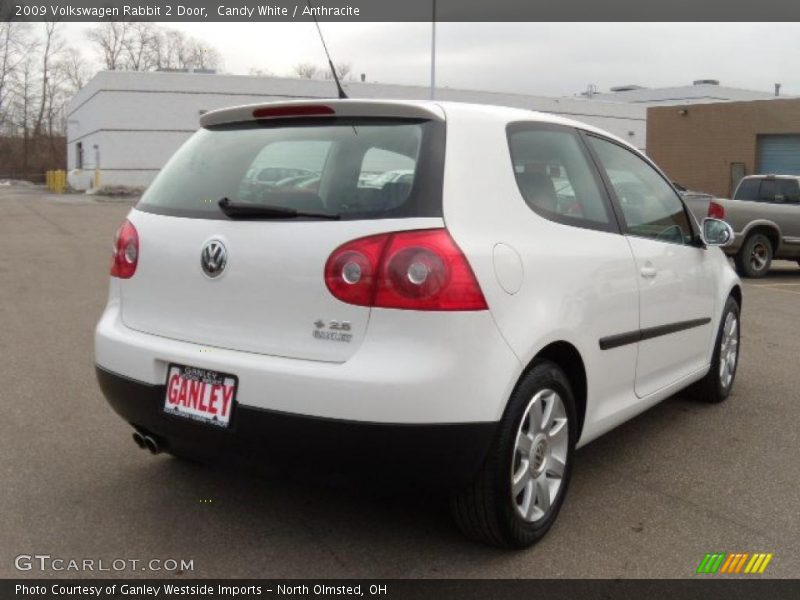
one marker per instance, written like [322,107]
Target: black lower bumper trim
[440,455]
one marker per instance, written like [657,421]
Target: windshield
[354,168]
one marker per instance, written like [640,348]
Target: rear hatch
[249,275]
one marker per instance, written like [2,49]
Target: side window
[555,177]
[748,189]
[790,188]
[783,191]
[650,207]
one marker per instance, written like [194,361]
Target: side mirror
[717,233]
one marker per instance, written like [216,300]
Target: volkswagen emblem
[213,258]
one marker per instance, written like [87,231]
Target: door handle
[648,272]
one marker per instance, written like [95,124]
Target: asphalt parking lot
[647,500]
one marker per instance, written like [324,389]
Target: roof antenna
[342,95]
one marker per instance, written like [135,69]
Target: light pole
[433,51]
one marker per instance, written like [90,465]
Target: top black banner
[400,10]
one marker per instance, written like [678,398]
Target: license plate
[200,395]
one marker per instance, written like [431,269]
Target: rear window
[356,168]
[768,190]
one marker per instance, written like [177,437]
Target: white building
[127,124]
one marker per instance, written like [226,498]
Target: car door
[675,275]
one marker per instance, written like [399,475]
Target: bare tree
[305,70]
[34,91]
[55,111]
[24,101]
[162,51]
[343,70]
[111,38]
[203,56]
[140,47]
[178,49]
[53,45]
[13,37]
[74,69]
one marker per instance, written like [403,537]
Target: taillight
[716,211]
[126,251]
[412,270]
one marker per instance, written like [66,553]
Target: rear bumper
[411,368]
[440,455]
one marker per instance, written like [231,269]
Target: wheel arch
[569,359]
[767,228]
[736,292]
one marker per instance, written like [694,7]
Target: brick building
[709,147]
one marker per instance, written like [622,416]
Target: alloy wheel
[540,455]
[728,350]
[758,257]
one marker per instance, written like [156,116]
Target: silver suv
[764,214]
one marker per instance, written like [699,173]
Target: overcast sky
[535,58]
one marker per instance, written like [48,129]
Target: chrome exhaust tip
[152,444]
[138,438]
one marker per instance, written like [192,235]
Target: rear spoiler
[324,108]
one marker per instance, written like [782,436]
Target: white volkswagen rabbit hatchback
[451,293]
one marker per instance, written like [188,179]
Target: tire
[755,257]
[717,384]
[485,510]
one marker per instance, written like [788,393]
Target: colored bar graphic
[703,563]
[741,561]
[711,562]
[729,562]
[717,563]
[764,564]
[754,563]
[734,562]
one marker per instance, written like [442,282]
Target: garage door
[779,154]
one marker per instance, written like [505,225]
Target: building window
[79,155]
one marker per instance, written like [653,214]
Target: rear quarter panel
[577,285]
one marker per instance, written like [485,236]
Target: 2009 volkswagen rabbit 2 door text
[469,292]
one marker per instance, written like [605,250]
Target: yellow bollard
[56,181]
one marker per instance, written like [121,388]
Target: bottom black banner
[462,589]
